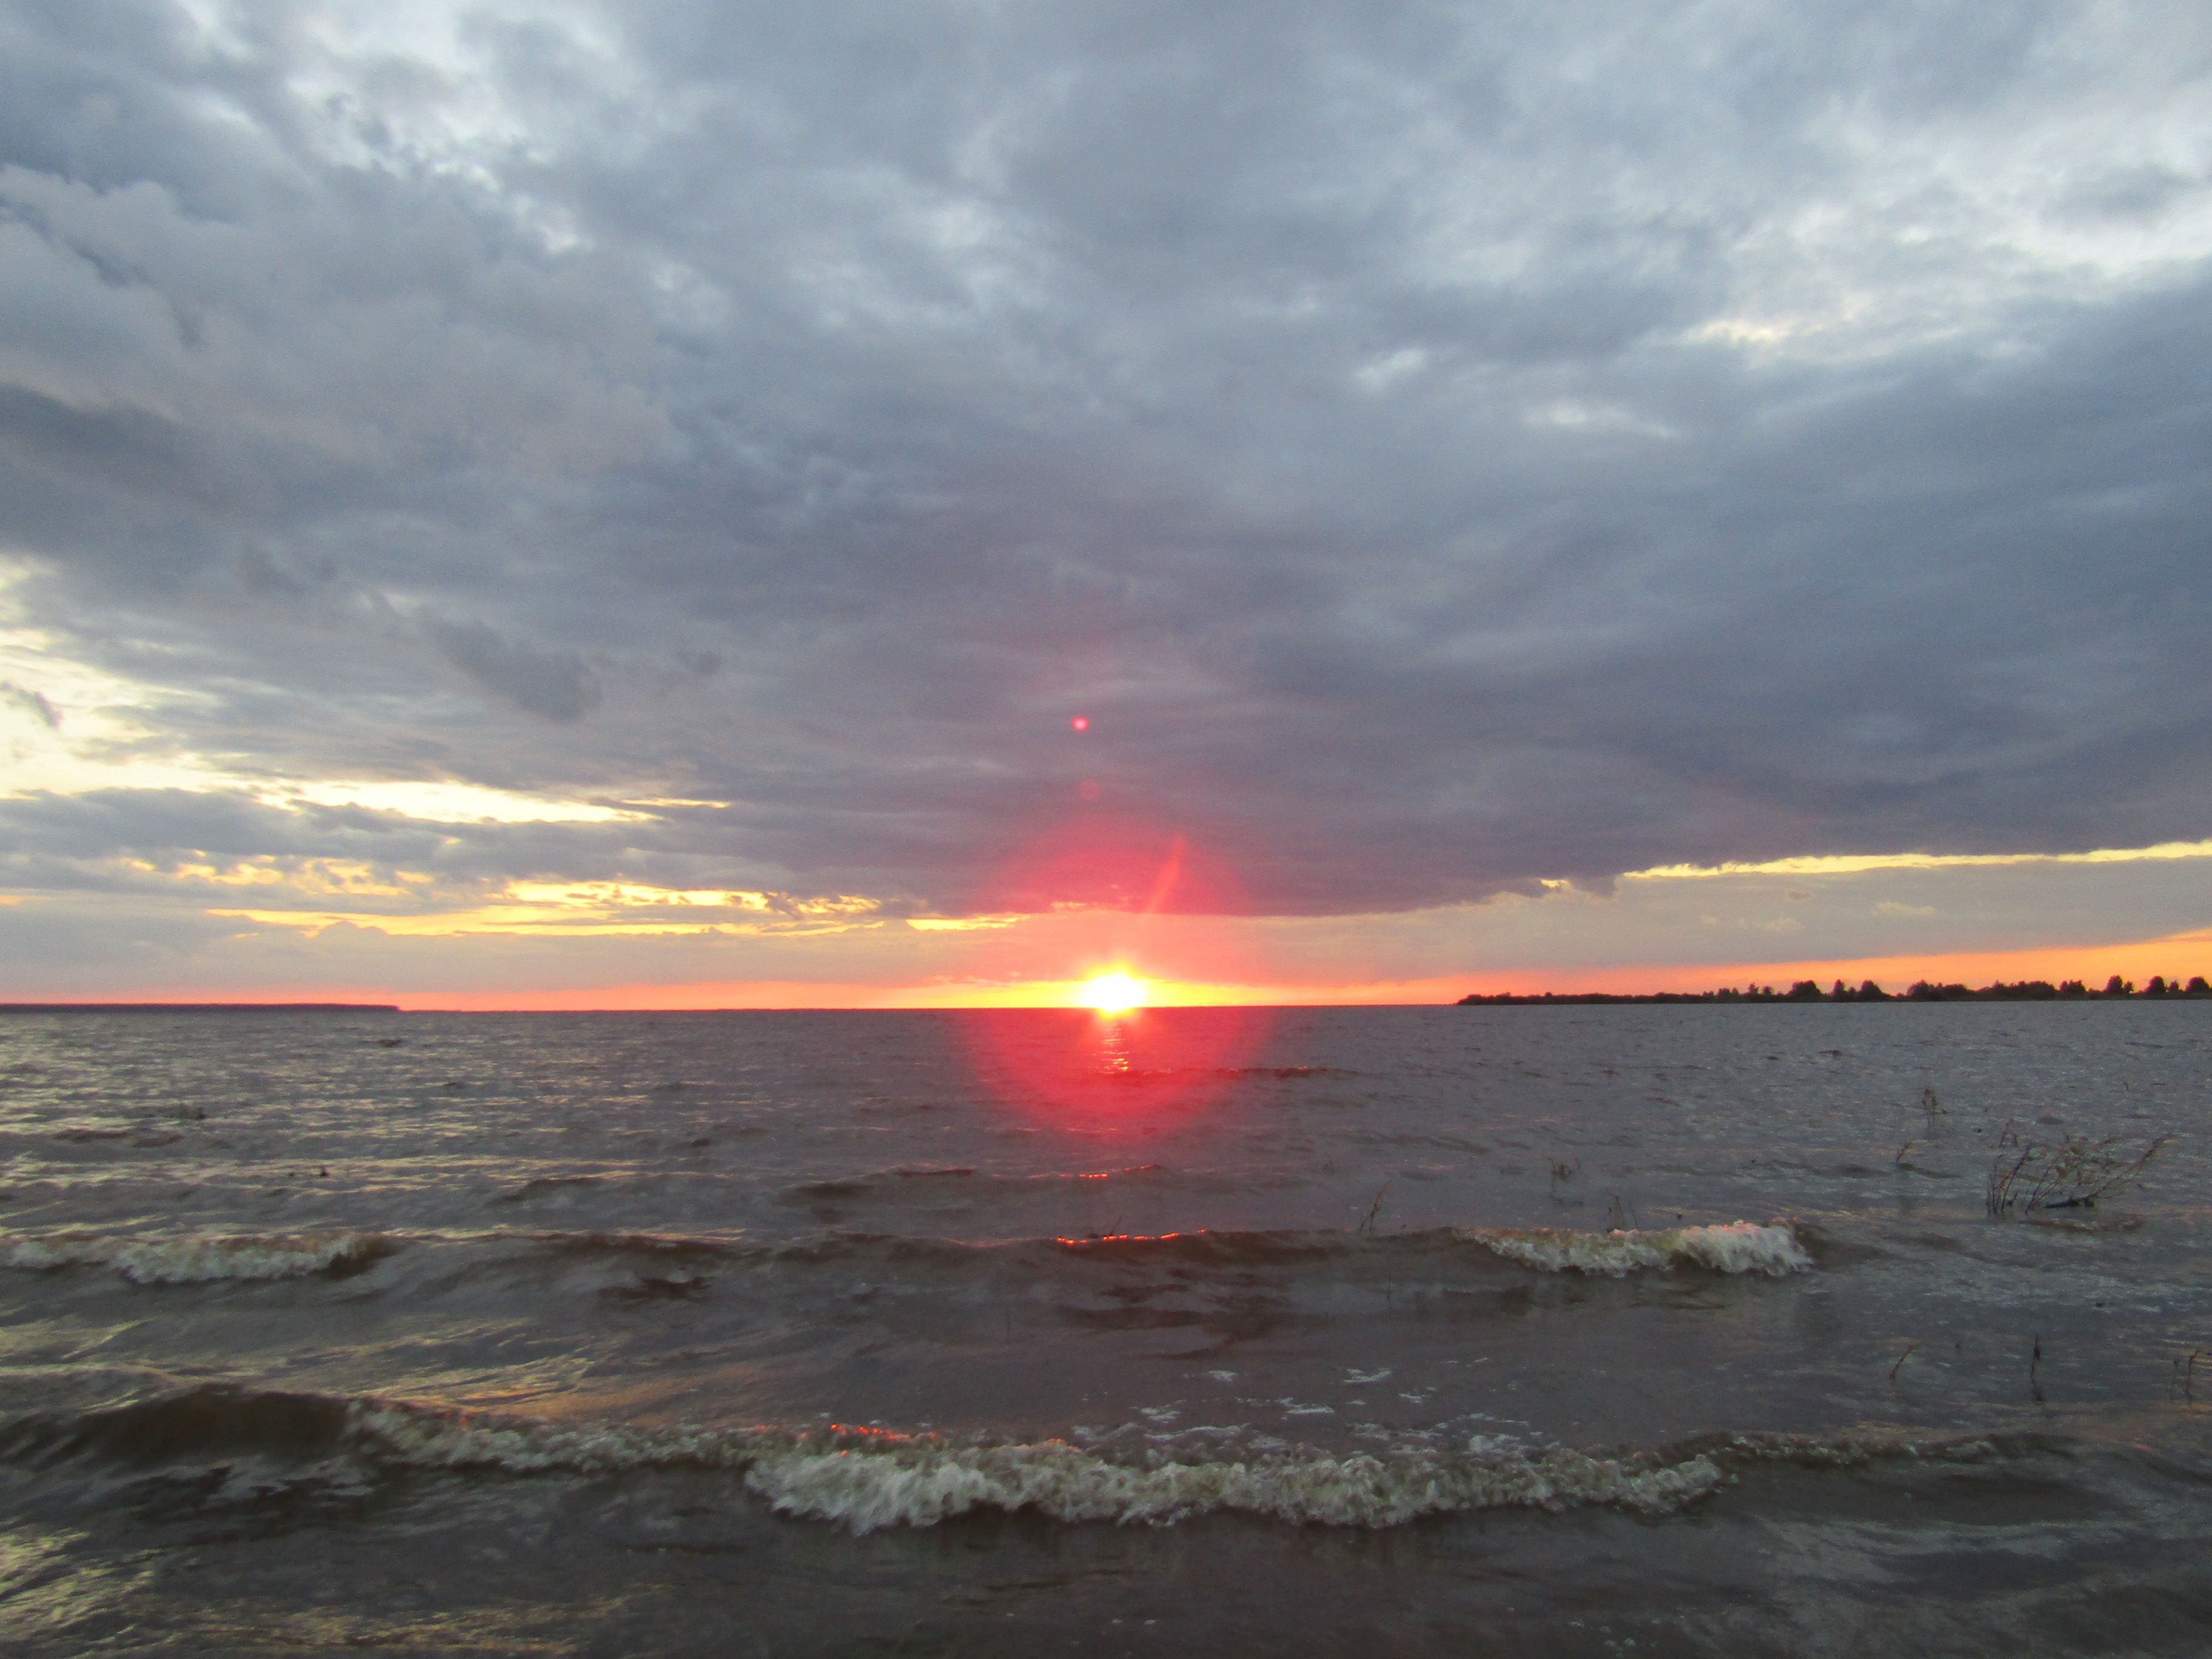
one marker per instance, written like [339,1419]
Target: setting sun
[1114,994]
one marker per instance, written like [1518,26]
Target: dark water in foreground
[1661,1331]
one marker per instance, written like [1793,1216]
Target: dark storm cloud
[1439,448]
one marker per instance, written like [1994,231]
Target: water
[1515,1331]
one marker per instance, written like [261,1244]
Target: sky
[556,505]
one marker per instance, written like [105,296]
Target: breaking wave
[203,1260]
[1741,1247]
[1738,1247]
[865,1479]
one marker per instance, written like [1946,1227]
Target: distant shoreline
[2197,989]
[2029,990]
[200,1007]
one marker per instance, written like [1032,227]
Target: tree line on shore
[1807,990]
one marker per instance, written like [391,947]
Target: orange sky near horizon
[2175,956]
[1686,930]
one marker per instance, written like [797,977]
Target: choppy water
[1515,1331]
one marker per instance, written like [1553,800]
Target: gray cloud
[69,842]
[1438,449]
[557,685]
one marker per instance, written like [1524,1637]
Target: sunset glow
[1641,574]
[1385,711]
[1115,993]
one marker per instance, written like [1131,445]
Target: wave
[654,1246]
[1740,1247]
[882,1182]
[1204,1247]
[866,1480]
[1736,1247]
[545,1185]
[205,1259]
[960,1180]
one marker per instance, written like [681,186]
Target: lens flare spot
[1080,723]
[1114,994]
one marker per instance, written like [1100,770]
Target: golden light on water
[1114,994]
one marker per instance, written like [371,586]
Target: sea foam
[1740,1247]
[865,1479]
[868,1479]
[203,1259]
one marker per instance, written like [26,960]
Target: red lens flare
[1109,862]
[1087,1069]
[1121,911]
[1080,723]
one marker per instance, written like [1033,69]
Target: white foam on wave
[865,1492]
[200,1260]
[868,1480]
[1740,1247]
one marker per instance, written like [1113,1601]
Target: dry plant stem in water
[2070,1173]
[2185,1377]
[1911,1348]
[1376,1208]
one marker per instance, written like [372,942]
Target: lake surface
[1527,1331]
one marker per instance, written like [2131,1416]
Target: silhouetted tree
[1921,990]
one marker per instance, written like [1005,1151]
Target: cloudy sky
[544,502]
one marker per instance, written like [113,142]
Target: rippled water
[1528,1331]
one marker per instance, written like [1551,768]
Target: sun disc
[1114,994]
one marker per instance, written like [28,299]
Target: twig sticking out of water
[1911,1348]
[2067,1175]
[2035,1364]
[2185,1377]
[1933,1107]
[1376,1208]
[1902,1151]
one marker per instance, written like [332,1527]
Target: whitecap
[1739,1246]
[866,1480]
[202,1259]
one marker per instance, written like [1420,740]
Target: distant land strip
[200,1007]
[1806,990]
